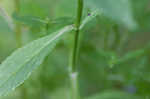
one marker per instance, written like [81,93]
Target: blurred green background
[113,60]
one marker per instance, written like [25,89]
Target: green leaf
[134,55]
[57,23]
[8,19]
[114,95]
[49,24]
[18,67]
[89,18]
[29,20]
[63,20]
[118,10]
[38,22]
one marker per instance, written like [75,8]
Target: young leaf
[90,17]
[18,67]
[119,10]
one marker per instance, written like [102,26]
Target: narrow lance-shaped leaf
[29,20]
[39,22]
[17,67]
[118,10]
[133,55]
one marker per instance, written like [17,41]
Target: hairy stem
[73,72]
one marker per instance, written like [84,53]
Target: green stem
[76,37]
[18,26]
[73,72]
[74,86]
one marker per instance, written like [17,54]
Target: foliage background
[103,44]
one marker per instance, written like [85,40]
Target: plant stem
[74,86]
[74,73]
[18,26]
[76,37]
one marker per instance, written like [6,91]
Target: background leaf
[118,10]
[29,20]
[8,19]
[113,95]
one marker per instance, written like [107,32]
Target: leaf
[29,20]
[38,22]
[90,17]
[8,19]
[49,24]
[134,55]
[57,23]
[114,95]
[63,20]
[118,10]
[18,67]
